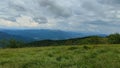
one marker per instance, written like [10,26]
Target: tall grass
[95,56]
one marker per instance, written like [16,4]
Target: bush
[72,48]
[93,40]
[12,43]
[114,38]
[86,47]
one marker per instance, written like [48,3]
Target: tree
[3,43]
[93,40]
[12,43]
[114,38]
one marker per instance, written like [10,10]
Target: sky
[101,16]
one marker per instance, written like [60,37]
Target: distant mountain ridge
[44,34]
[6,36]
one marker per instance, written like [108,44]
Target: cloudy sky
[69,15]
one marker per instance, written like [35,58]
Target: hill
[72,41]
[6,36]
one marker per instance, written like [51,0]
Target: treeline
[111,39]
[12,43]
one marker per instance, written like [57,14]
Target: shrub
[114,38]
[12,43]
[72,48]
[86,47]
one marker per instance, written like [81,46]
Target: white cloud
[22,21]
[72,15]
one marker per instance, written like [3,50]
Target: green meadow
[79,56]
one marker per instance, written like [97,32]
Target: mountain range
[43,34]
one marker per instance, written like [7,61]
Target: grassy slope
[101,56]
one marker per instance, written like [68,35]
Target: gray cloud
[73,15]
[55,9]
[40,20]
[103,23]
[17,7]
[111,2]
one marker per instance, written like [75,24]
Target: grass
[92,56]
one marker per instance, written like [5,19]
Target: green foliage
[93,40]
[114,38]
[76,41]
[86,47]
[73,48]
[103,56]
[12,43]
